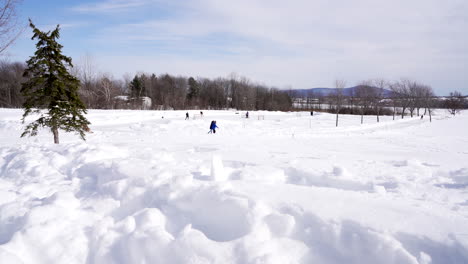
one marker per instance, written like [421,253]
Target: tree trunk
[56,134]
[378,110]
[362,115]
[430,113]
[337,118]
[9,96]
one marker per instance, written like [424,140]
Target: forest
[166,91]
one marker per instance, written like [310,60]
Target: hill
[327,91]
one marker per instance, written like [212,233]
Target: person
[186,116]
[213,127]
[201,113]
[311,113]
[422,116]
[247,115]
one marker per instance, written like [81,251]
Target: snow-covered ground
[287,189]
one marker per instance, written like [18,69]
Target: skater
[213,127]
[311,113]
[186,116]
[422,116]
[201,114]
[247,115]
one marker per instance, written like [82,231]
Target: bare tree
[10,29]
[401,95]
[428,99]
[167,91]
[455,102]
[420,94]
[394,97]
[337,96]
[320,101]
[86,72]
[107,90]
[181,88]
[11,77]
[413,93]
[353,100]
[366,95]
[380,85]
[309,100]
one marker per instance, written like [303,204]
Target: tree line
[380,97]
[103,91]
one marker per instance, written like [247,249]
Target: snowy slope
[287,189]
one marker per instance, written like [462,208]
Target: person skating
[186,116]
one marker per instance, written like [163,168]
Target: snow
[291,188]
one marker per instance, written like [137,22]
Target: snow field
[287,189]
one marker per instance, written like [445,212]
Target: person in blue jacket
[213,127]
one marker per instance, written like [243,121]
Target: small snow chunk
[127,225]
[340,171]
[424,258]
[150,217]
[280,224]
[380,189]
[63,199]
[186,230]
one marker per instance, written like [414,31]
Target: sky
[286,44]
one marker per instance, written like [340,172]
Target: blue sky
[287,44]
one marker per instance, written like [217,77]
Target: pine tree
[51,91]
[194,88]
[136,87]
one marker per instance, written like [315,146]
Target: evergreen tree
[194,89]
[51,91]
[137,88]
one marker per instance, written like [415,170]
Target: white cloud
[111,6]
[303,42]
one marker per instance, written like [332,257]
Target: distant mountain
[327,91]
